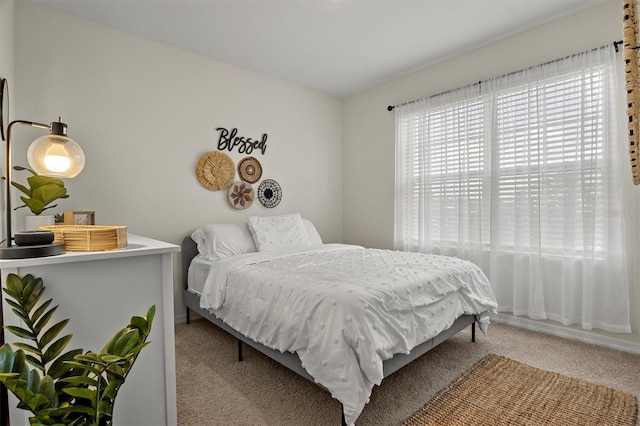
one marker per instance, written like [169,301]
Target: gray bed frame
[290,359]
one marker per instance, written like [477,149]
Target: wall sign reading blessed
[230,140]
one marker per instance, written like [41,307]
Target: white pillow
[312,232]
[277,232]
[216,241]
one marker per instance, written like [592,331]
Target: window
[520,174]
[545,139]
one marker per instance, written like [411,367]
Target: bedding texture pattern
[217,241]
[345,309]
[278,232]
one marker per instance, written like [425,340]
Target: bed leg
[344,422]
[473,332]
[239,350]
[188,316]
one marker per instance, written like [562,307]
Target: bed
[342,316]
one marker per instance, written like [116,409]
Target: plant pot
[32,222]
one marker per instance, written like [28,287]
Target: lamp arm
[7,172]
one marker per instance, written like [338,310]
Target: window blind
[521,174]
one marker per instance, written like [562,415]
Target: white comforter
[344,309]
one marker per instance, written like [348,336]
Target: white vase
[32,222]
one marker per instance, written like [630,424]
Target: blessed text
[230,140]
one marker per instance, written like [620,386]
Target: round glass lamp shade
[56,156]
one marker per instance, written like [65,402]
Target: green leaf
[48,388]
[38,181]
[20,332]
[33,380]
[56,348]
[21,168]
[44,319]
[10,294]
[81,409]
[36,206]
[80,393]
[17,306]
[5,376]
[35,362]
[11,362]
[117,375]
[111,391]
[14,284]
[110,346]
[59,367]
[126,342]
[141,324]
[112,359]
[48,193]
[22,315]
[79,380]
[84,367]
[26,191]
[134,352]
[43,307]
[151,313]
[52,332]
[27,348]
[89,357]
[105,409]
[33,289]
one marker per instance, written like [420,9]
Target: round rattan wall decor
[269,193]
[215,171]
[249,169]
[241,195]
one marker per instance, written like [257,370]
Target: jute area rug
[500,391]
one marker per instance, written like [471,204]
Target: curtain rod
[392,107]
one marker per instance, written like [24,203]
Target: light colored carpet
[213,388]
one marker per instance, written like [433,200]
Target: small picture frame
[80,218]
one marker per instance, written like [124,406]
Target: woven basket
[89,237]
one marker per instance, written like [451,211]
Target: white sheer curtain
[521,175]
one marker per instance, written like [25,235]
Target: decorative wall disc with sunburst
[215,171]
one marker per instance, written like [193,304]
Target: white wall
[6,71]
[368,128]
[6,39]
[145,113]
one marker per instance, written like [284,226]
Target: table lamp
[54,155]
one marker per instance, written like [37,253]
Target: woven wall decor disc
[632,62]
[215,171]
[269,193]
[241,195]
[250,169]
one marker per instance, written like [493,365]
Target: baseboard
[569,333]
[180,319]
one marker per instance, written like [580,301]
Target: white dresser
[99,292]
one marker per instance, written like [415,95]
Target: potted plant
[38,196]
[58,218]
[64,388]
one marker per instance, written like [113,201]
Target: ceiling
[340,47]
